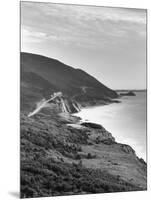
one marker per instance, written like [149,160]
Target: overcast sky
[108,43]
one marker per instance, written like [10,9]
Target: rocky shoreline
[62,156]
[76,122]
[103,136]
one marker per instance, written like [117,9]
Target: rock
[130,93]
[108,141]
[115,101]
[66,118]
[98,134]
[92,125]
[142,161]
[127,149]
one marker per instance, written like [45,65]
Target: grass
[44,174]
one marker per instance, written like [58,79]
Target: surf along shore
[74,157]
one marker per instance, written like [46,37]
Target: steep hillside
[41,76]
[58,158]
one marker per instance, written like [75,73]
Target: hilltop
[42,76]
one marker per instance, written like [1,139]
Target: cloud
[84,26]
[30,36]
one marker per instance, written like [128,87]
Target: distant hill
[59,154]
[41,76]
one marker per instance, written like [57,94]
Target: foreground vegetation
[51,163]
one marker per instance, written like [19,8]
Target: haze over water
[126,120]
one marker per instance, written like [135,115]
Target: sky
[108,43]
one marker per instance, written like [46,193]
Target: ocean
[126,120]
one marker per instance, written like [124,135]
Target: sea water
[126,120]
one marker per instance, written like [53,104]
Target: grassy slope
[41,76]
[51,161]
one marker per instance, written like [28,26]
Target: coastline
[77,123]
[124,156]
[99,103]
[57,145]
[113,127]
[71,151]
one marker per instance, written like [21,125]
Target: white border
[9,100]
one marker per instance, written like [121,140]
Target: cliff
[60,156]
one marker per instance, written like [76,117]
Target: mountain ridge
[46,75]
